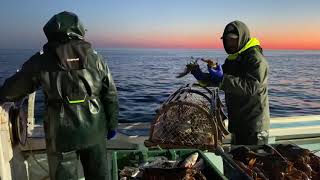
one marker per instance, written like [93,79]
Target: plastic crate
[123,158]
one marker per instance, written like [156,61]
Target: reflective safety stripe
[67,100]
[76,101]
[252,42]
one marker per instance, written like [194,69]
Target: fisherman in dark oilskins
[80,96]
[244,79]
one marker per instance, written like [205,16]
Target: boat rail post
[31,119]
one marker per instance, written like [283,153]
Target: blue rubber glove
[111,134]
[216,75]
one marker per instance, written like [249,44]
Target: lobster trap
[191,117]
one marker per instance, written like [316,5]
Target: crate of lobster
[172,164]
[276,162]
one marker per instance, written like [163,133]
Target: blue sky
[163,23]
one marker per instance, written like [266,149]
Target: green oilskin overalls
[245,83]
[80,96]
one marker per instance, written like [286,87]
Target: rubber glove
[111,134]
[216,75]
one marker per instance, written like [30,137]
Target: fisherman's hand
[111,134]
[210,63]
[216,75]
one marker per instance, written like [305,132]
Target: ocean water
[146,77]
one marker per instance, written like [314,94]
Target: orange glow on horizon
[208,40]
[290,42]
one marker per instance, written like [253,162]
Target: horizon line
[273,49]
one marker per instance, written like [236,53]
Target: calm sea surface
[146,77]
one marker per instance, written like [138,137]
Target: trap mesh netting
[191,116]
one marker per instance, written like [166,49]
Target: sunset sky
[285,24]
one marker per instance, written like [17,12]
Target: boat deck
[30,162]
[297,130]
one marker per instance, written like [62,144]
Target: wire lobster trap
[191,117]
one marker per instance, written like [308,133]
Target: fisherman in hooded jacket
[80,96]
[243,77]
